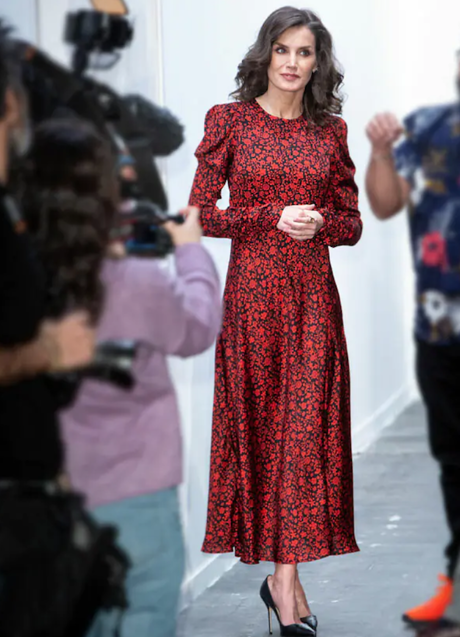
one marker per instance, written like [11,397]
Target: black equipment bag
[58,566]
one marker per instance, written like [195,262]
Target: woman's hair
[69,198]
[321,97]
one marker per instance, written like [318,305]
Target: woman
[281,466]
[123,448]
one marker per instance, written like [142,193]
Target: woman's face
[293,60]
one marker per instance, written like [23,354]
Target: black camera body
[137,130]
[90,31]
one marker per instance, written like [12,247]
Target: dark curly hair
[322,96]
[69,197]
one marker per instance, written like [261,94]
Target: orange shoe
[432,610]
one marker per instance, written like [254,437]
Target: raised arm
[177,315]
[387,190]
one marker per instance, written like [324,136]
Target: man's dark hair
[9,64]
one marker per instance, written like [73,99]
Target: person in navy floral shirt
[423,173]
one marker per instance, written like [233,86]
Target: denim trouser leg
[150,532]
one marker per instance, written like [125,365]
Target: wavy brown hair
[69,198]
[322,94]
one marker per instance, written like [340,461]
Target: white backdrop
[185,54]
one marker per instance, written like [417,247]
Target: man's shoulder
[424,119]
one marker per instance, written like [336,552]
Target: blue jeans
[150,532]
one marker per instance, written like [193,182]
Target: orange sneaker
[432,610]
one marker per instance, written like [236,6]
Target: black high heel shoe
[293,630]
[311,621]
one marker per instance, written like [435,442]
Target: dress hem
[303,558]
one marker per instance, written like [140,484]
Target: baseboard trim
[206,576]
[369,431]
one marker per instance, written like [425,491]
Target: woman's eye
[280,50]
[305,53]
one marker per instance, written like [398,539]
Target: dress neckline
[275,117]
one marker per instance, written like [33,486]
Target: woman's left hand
[307,224]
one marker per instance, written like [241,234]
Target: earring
[314,70]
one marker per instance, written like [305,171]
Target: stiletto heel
[270,629]
[293,630]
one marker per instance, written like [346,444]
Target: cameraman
[30,447]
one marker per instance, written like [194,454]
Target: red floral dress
[281,483]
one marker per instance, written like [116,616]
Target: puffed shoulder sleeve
[215,155]
[342,219]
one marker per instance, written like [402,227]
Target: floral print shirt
[429,159]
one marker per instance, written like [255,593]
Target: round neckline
[280,119]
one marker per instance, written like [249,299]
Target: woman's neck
[282,104]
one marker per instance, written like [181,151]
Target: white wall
[186,53]
[21,14]
[137,70]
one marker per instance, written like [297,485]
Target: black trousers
[438,373]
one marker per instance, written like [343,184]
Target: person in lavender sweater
[123,448]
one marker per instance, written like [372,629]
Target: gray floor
[400,530]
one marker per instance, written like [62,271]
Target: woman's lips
[290,76]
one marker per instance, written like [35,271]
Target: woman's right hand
[188,232]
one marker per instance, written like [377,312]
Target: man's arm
[387,191]
[23,361]
[60,346]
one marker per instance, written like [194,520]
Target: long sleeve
[342,220]
[192,305]
[176,315]
[214,156]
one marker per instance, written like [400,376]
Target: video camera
[137,130]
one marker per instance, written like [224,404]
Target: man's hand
[60,346]
[300,222]
[70,342]
[383,131]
